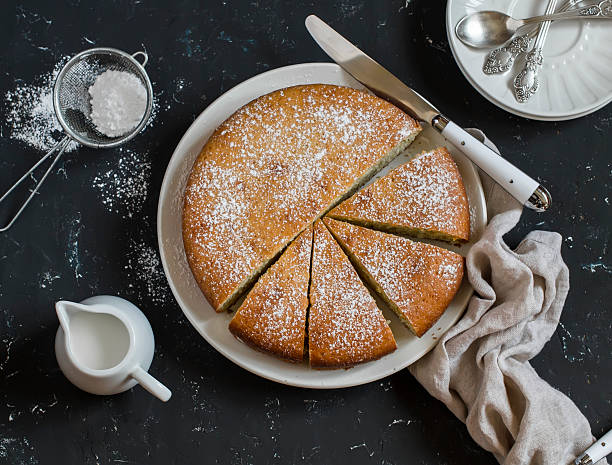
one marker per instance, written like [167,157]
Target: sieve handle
[145,58]
[60,147]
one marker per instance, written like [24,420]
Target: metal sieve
[71,101]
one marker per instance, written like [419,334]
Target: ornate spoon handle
[602,10]
[526,82]
[501,59]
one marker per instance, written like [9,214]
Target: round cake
[270,172]
[272,169]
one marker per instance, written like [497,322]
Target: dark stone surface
[74,242]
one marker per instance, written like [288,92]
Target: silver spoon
[501,59]
[492,28]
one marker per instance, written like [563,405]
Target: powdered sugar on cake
[425,193]
[273,315]
[421,279]
[345,322]
[406,281]
[272,168]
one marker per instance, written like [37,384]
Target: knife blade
[384,84]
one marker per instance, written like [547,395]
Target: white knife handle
[520,186]
[597,451]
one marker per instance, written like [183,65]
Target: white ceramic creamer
[104,345]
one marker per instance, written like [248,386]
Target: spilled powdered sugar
[72,253]
[17,450]
[123,184]
[144,267]
[30,117]
[46,279]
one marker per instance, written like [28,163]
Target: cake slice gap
[345,327]
[416,280]
[423,198]
[272,317]
[306,346]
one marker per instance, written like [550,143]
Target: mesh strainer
[71,101]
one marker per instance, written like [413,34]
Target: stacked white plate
[575,77]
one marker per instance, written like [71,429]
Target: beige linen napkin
[480,368]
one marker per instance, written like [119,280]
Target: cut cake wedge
[345,327]
[424,197]
[272,318]
[417,280]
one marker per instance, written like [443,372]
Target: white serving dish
[213,326]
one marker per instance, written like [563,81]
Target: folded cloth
[480,368]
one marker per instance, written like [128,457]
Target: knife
[597,451]
[384,84]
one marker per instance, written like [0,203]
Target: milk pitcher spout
[65,310]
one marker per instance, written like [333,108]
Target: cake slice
[274,167]
[272,318]
[345,325]
[424,198]
[415,279]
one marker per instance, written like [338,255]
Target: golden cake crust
[272,318]
[345,326]
[424,197]
[271,169]
[416,279]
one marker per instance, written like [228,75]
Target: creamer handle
[151,384]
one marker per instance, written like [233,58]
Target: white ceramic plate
[213,326]
[576,75]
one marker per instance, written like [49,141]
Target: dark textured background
[69,244]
